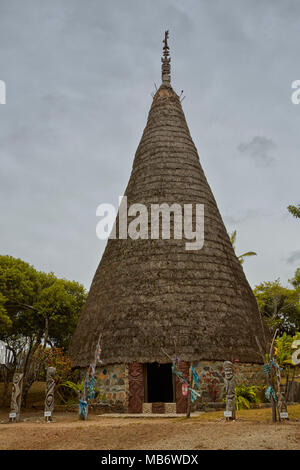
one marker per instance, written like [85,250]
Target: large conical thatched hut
[150,295]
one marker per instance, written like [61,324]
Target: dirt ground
[252,430]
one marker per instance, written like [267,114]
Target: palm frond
[233,237]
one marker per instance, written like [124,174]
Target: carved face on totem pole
[51,371]
[229,388]
[16,383]
[229,378]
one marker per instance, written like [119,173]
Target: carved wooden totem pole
[229,391]
[89,383]
[16,396]
[49,400]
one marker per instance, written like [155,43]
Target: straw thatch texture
[145,293]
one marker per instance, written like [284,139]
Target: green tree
[279,306]
[35,308]
[36,304]
[244,255]
[294,210]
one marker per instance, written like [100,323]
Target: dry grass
[36,394]
[262,415]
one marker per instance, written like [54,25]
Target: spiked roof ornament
[166,66]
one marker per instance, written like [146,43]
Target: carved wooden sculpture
[50,386]
[229,390]
[166,67]
[15,407]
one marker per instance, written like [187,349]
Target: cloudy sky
[79,77]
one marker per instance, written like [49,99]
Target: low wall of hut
[113,386]
[113,383]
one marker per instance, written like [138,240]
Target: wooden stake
[190,385]
[268,377]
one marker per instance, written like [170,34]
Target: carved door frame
[136,387]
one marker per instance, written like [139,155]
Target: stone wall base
[113,385]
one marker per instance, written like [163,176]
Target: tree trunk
[5,388]
[26,388]
[274,413]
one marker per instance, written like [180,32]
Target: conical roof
[147,293]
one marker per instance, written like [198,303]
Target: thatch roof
[145,293]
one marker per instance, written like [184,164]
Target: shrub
[244,395]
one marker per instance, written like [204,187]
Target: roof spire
[166,67]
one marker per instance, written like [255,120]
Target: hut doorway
[159,386]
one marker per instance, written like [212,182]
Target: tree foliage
[5,321]
[295,281]
[56,357]
[295,211]
[34,304]
[283,348]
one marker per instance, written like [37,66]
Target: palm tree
[240,257]
[295,211]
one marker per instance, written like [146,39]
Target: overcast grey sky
[79,77]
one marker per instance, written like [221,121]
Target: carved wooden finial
[166,66]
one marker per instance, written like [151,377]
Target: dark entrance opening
[159,383]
